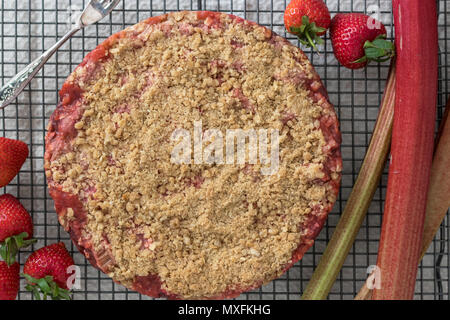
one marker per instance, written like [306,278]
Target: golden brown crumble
[203,229]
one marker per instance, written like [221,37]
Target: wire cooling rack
[27,27]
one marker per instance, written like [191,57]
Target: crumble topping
[203,229]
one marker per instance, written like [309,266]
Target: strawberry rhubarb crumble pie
[191,230]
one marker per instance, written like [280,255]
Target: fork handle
[15,86]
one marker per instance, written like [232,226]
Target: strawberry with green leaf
[308,20]
[16,228]
[358,39]
[46,271]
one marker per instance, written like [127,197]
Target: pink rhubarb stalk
[411,149]
[438,201]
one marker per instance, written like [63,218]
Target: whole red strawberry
[13,154]
[307,19]
[16,228]
[358,39]
[9,281]
[46,270]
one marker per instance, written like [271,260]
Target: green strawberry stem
[378,50]
[47,287]
[10,247]
[307,33]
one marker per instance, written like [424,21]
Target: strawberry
[9,281]
[46,272]
[307,19]
[16,228]
[13,154]
[358,39]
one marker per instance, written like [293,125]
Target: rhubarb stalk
[439,190]
[412,148]
[438,200]
[358,203]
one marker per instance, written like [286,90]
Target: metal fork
[95,11]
